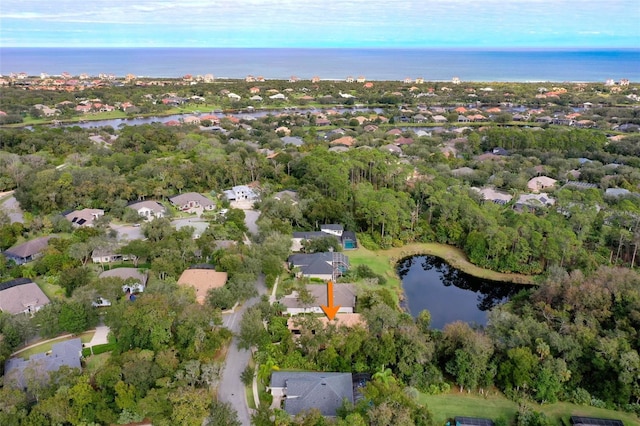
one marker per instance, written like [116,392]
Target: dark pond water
[449,294]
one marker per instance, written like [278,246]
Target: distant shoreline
[376,64]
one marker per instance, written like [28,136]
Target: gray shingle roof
[323,391]
[29,248]
[63,353]
[344,295]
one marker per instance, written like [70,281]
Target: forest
[571,338]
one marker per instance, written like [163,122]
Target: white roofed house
[541,182]
[84,217]
[241,193]
[148,209]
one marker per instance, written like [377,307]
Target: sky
[321,23]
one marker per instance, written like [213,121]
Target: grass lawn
[53,291]
[384,262]
[45,347]
[95,362]
[446,406]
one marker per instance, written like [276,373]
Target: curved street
[231,389]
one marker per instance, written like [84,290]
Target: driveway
[199,225]
[12,208]
[128,232]
[231,389]
[250,218]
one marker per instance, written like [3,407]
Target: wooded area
[573,338]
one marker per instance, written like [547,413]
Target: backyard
[496,406]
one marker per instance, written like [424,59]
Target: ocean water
[522,65]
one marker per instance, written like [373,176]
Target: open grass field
[446,406]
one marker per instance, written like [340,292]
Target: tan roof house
[21,296]
[84,217]
[202,280]
[540,182]
[347,141]
[191,201]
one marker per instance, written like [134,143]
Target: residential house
[540,182]
[148,209]
[534,201]
[303,391]
[296,326]
[287,194]
[346,238]
[84,217]
[191,202]
[462,171]
[240,193]
[346,141]
[202,280]
[617,192]
[41,365]
[344,295]
[292,140]
[26,252]
[324,265]
[493,195]
[135,280]
[21,296]
[391,148]
[108,256]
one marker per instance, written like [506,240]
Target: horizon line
[506,48]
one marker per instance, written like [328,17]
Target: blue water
[374,64]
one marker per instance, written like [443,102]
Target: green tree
[222,413]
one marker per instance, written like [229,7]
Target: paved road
[231,388]
[250,218]
[12,208]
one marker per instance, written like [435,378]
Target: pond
[449,294]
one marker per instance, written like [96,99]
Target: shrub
[367,242]
[581,396]
[100,349]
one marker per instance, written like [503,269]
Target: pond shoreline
[455,258]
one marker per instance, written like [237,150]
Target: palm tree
[384,375]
